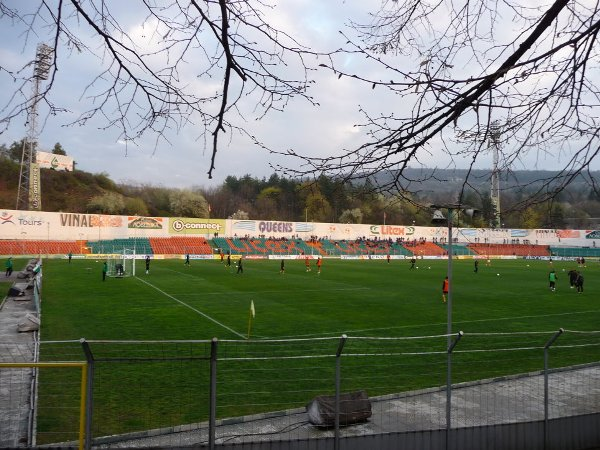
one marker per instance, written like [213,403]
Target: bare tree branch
[143,82]
[460,69]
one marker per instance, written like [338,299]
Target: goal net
[122,264]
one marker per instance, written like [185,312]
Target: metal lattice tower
[25,199]
[494,140]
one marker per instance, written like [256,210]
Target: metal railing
[215,393]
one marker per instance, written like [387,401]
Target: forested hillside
[323,200]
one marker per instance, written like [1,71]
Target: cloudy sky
[184,160]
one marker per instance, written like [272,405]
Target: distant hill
[451,180]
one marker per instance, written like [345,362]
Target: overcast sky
[184,161]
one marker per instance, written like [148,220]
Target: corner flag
[251,316]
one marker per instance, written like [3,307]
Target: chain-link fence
[107,394]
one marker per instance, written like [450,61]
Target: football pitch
[299,318]
[358,298]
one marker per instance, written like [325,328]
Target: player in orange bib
[307,262]
[445,285]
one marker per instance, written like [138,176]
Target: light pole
[439,219]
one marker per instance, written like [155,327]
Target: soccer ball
[429,268]
[497,274]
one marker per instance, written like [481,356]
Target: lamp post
[439,219]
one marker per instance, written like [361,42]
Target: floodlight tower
[29,195]
[494,141]
[492,134]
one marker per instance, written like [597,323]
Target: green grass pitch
[361,298]
[369,298]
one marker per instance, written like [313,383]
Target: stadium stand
[44,247]
[577,252]
[425,248]
[509,249]
[140,245]
[261,246]
[179,245]
[458,249]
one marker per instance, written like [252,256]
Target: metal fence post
[449,387]
[338,354]
[213,394]
[90,393]
[546,352]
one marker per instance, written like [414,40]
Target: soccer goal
[122,264]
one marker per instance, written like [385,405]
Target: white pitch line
[192,308]
[439,323]
[278,292]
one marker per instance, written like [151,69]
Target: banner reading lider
[183,225]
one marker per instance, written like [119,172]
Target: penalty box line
[197,311]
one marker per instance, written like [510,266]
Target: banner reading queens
[186,225]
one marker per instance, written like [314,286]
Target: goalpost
[122,264]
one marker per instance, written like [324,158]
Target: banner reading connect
[35,188]
[182,225]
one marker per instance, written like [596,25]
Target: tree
[135,206]
[351,216]
[139,86]
[107,203]
[15,151]
[58,150]
[532,218]
[239,215]
[185,203]
[318,208]
[508,75]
